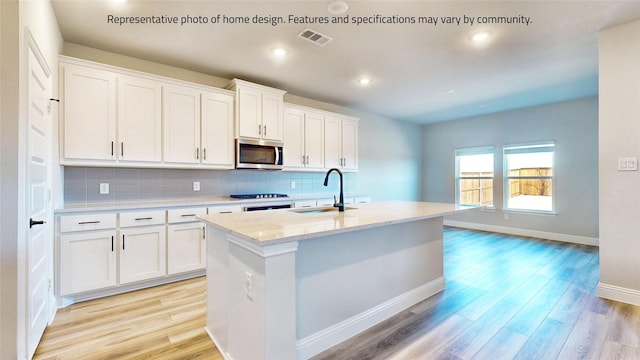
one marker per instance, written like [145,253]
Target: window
[528,174]
[474,176]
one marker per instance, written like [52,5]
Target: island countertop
[264,228]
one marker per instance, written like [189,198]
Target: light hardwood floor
[164,322]
[507,298]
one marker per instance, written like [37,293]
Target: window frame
[541,146]
[481,150]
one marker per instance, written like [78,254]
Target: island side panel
[261,295]
[217,287]
[347,282]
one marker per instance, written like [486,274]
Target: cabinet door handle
[225,212]
[204,153]
[198,153]
[259,129]
[204,236]
[122,241]
[303,160]
[88,222]
[307,159]
[112,149]
[265,129]
[144,218]
[111,243]
[188,215]
[122,148]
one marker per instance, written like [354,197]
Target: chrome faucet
[339,205]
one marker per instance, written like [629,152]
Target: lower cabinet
[186,243]
[143,246]
[187,247]
[142,253]
[87,261]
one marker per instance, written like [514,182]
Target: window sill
[530,212]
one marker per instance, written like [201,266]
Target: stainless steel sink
[318,210]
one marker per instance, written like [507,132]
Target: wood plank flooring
[506,298]
[164,322]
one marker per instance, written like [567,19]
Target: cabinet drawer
[325,202]
[142,218]
[84,222]
[175,216]
[304,204]
[223,209]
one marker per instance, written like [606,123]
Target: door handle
[35,222]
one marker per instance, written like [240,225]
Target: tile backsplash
[82,184]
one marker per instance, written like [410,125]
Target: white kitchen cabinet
[88,114]
[198,127]
[142,246]
[304,204]
[87,252]
[186,243]
[224,209]
[118,117]
[341,143]
[217,131]
[181,121]
[303,139]
[139,120]
[109,118]
[259,111]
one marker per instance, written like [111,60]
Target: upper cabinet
[181,125]
[216,136]
[112,116]
[139,119]
[89,114]
[259,111]
[303,139]
[341,143]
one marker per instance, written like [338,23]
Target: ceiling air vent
[315,37]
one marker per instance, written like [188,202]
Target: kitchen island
[288,284]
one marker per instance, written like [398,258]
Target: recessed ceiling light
[338,7]
[364,81]
[280,52]
[480,37]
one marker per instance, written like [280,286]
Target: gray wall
[573,125]
[389,156]
[619,130]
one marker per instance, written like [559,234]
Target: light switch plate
[293,184]
[196,186]
[104,188]
[627,164]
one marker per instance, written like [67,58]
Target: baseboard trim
[222,351]
[576,239]
[617,293]
[335,334]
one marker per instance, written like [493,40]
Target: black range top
[258,196]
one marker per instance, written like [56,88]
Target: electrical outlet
[196,186]
[104,188]
[506,216]
[293,184]
[248,284]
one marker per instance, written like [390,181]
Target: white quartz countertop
[265,228]
[183,202]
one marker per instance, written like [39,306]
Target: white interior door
[38,250]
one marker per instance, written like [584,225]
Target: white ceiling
[421,72]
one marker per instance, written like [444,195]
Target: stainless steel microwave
[258,154]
